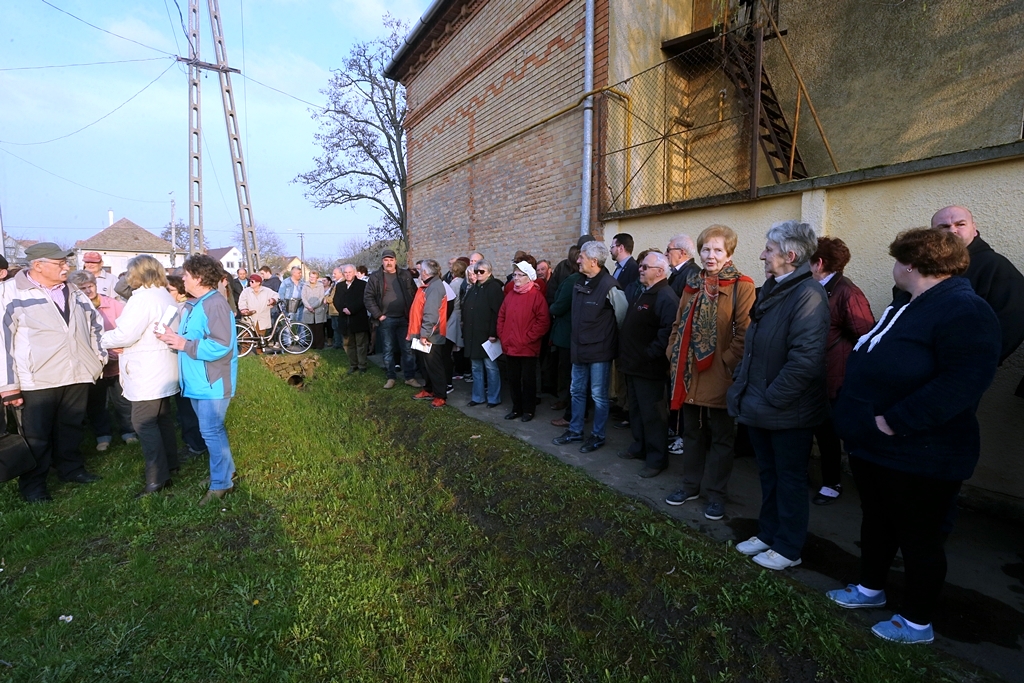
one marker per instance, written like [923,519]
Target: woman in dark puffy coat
[522,322]
[779,390]
[851,317]
[907,415]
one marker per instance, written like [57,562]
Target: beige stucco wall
[637,29]
[867,216]
[895,81]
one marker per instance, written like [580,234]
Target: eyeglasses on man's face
[644,266]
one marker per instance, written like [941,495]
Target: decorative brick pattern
[512,64]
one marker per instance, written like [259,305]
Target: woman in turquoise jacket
[208,364]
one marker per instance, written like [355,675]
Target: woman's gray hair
[485,265]
[595,250]
[796,237]
[81,277]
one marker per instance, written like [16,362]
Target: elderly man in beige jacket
[49,356]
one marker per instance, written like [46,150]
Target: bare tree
[270,244]
[362,135]
[180,236]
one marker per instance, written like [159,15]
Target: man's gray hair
[796,237]
[595,250]
[684,242]
[429,267]
[660,260]
[81,277]
[347,266]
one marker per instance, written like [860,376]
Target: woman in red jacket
[851,318]
[522,322]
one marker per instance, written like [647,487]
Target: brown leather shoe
[214,493]
[560,422]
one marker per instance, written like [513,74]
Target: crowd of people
[78,341]
[678,346]
[698,362]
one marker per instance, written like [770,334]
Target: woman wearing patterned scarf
[705,347]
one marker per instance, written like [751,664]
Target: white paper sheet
[420,345]
[492,349]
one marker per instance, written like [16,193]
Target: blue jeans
[782,457]
[211,412]
[597,374]
[488,367]
[393,332]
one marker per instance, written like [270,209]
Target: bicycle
[289,335]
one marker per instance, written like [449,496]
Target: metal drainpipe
[588,119]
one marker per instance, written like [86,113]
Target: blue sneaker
[851,598]
[681,496]
[897,630]
[714,511]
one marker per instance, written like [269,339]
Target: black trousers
[563,373]
[548,366]
[188,421]
[53,422]
[831,449]
[648,420]
[905,512]
[155,428]
[522,383]
[432,366]
[318,334]
[449,361]
[708,435]
[96,407]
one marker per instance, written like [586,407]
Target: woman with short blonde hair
[145,271]
[149,370]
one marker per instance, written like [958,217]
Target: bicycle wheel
[296,338]
[246,339]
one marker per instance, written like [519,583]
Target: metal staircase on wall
[776,137]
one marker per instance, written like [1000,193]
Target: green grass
[375,539]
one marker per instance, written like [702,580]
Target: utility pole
[302,253]
[250,244]
[3,235]
[174,232]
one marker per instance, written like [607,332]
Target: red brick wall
[514,63]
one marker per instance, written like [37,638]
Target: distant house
[230,257]
[14,249]
[284,264]
[123,241]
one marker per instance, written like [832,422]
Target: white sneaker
[770,559]
[752,546]
[102,446]
[676,447]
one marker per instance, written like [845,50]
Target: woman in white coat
[149,369]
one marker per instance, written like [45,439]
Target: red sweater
[522,321]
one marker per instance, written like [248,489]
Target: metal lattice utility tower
[195,218]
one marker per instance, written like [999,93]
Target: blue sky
[140,152]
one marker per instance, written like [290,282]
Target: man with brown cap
[105,282]
[49,356]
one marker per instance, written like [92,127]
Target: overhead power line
[148,47]
[43,142]
[84,187]
[270,87]
[67,66]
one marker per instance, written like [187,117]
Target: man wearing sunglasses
[50,357]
